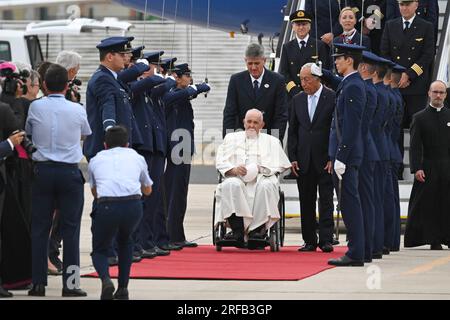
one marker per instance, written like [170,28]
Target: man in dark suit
[256,88]
[309,133]
[299,51]
[409,41]
[346,148]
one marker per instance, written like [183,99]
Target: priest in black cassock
[429,205]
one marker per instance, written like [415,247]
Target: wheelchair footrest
[256,243]
[230,243]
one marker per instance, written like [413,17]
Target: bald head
[437,93]
[253,122]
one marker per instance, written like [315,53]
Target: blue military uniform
[108,102]
[347,146]
[179,115]
[119,209]
[397,158]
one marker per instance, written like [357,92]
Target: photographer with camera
[71,61]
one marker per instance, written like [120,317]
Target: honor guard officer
[408,41]
[346,148]
[180,131]
[397,71]
[118,189]
[299,51]
[107,98]
[378,128]
[167,65]
[56,126]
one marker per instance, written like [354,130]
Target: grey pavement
[409,274]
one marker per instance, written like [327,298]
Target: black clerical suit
[429,205]
[308,145]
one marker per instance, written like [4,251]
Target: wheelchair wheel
[214,233]
[283,218]
[274,237]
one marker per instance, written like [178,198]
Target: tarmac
[410,274]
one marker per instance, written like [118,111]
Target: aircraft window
[35,52]
[5,51]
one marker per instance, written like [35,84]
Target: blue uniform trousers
[115,219]
[176,180]
[351,212]
[152,230]
[379,183]
[366,193]
[61,185]
[397,219]
[389,208]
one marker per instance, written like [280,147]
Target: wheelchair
[274,236]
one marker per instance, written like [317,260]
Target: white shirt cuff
[11,144]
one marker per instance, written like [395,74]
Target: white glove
[339,168]
[316,69]
[144,61]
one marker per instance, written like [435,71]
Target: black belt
[75,165]
[111,199]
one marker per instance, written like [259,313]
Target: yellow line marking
[428,266]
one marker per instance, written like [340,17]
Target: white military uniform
[257,200]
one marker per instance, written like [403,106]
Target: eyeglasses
[439,92]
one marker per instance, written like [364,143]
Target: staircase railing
[442,63]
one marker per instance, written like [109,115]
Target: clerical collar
[436,108]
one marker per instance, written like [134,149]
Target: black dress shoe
[107,289]
[38,290]
[435,246]
[386,251]
[326,247]
[148,254]
[377,255]
[308,248]
[160,252]
[345,261]
[121,294]
[185,243]
[367,260]
[4,293]
[169,247]
[66,292]
[113,261]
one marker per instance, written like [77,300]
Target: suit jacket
[293,59]
[413,50]
[308,141]
[5,149]
[107,104]
[271,100]
[351,100]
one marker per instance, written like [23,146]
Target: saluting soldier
[346,148]
[107,99]
[408,41]
[299,51]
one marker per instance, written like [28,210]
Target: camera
[76,94]
[27,144]
[12,80]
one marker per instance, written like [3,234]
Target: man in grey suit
[258,88]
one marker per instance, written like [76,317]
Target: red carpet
[204,262]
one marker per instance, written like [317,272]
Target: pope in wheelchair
[247,198]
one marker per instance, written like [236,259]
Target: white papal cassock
[255,201]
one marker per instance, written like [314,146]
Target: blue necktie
[255,88]
[312,107]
